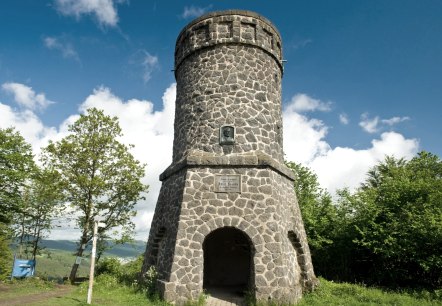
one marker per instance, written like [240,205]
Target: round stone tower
[227,218]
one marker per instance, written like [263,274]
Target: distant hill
[120,250]
[55,261]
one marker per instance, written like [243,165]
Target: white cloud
[343,118]
[26,97]
[66,48]
[374,125]
[301,43]
[370,125]
[346,167]
[395,120]
[194,11]
[339,167]
[104,10]
[304,103]
[146,61]
[303,137]
[29,126]
[150,63]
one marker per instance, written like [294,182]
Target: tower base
[232,223]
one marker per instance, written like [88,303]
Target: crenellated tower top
[228,27]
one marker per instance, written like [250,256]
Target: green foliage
[5,253]
[16,166]
[399,221]
[388,232]
[40,204]
[149,283]
[98,175]
[132,270]
[106,282]
[110,266]
[129,274]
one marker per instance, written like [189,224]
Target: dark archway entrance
[228,262]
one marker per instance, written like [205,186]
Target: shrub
[131,271]
[149,283]
[111,266]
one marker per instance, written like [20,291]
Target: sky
[363,79]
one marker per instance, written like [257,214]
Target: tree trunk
[75,266]
[36,241]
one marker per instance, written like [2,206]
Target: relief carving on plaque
[227,135]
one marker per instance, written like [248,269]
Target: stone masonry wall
[259,211]
[162,237]
[189,208]
[235,80]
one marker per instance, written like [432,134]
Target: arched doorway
[228,262]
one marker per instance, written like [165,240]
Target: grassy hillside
[119,250]
[57,258]
[56,264]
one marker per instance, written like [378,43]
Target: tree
[387,232]
[400,221]
[98,175]
[5,252]
[40,205]
[16,166]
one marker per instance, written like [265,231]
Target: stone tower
[227,217]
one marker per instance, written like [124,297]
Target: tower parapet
[229,27]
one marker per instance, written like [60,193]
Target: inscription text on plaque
[228,183]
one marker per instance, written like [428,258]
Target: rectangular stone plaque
[228,183]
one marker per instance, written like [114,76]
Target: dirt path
[58,291]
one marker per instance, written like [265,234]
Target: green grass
[116,296]
[24,287]
[330,293]
[107,291]
[56,264]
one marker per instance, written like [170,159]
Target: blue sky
[362,78]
